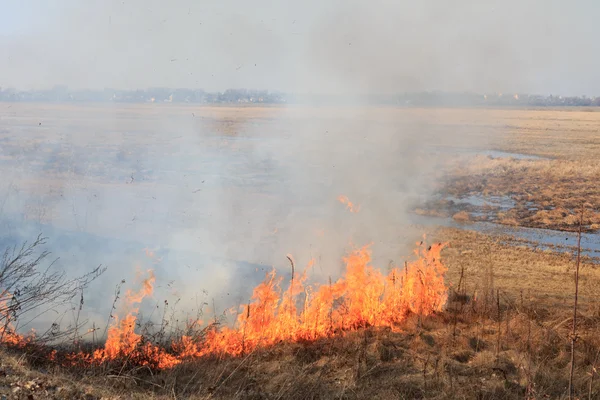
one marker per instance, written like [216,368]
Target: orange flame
[349,205]
[8,333]
[122,341]
[362,297]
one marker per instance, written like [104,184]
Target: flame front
[362,297]
[122,339]
[123,343]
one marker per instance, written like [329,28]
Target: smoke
[223,194]
[334,46]
[219,195]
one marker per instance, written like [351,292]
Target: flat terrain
[544,180]
[223,193]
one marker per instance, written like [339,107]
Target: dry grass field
[548,189]
[506,329]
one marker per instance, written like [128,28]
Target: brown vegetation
[505,332]
[476,349]
[462,216]
[547,193]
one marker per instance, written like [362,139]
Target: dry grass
[547,193]
[570,134]
[462,216]
[473,350]
[462,353]
[543,276]
[478,348]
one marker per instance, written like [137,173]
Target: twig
[331,310]
[574,331]
[113,308]
[75,335]
[529,390]
[460,298]
[289,257]
[499,322]
[244,332]
[592,374]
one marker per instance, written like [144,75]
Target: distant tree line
[156,95]
[231,96]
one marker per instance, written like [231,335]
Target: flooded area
[479,200]
[468,151]
[212,205]
[504,154]
[543,239]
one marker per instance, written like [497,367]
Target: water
[504,154]
[479,200]
[484,153]
[544,239]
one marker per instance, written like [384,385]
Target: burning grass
[362,297]
[366,335]
[472,350]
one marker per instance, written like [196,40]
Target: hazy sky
[536,46]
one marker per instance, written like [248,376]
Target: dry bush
[26,285]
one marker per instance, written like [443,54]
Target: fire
[121,336]
[123,341]
[349,205]
[363,297]
[8,333]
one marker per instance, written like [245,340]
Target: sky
[310,46]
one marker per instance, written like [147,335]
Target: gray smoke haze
[220,203]
[536,46]
[220,193]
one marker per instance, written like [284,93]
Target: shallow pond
[485,153]
[504,154]
[531,237]
[479,200]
